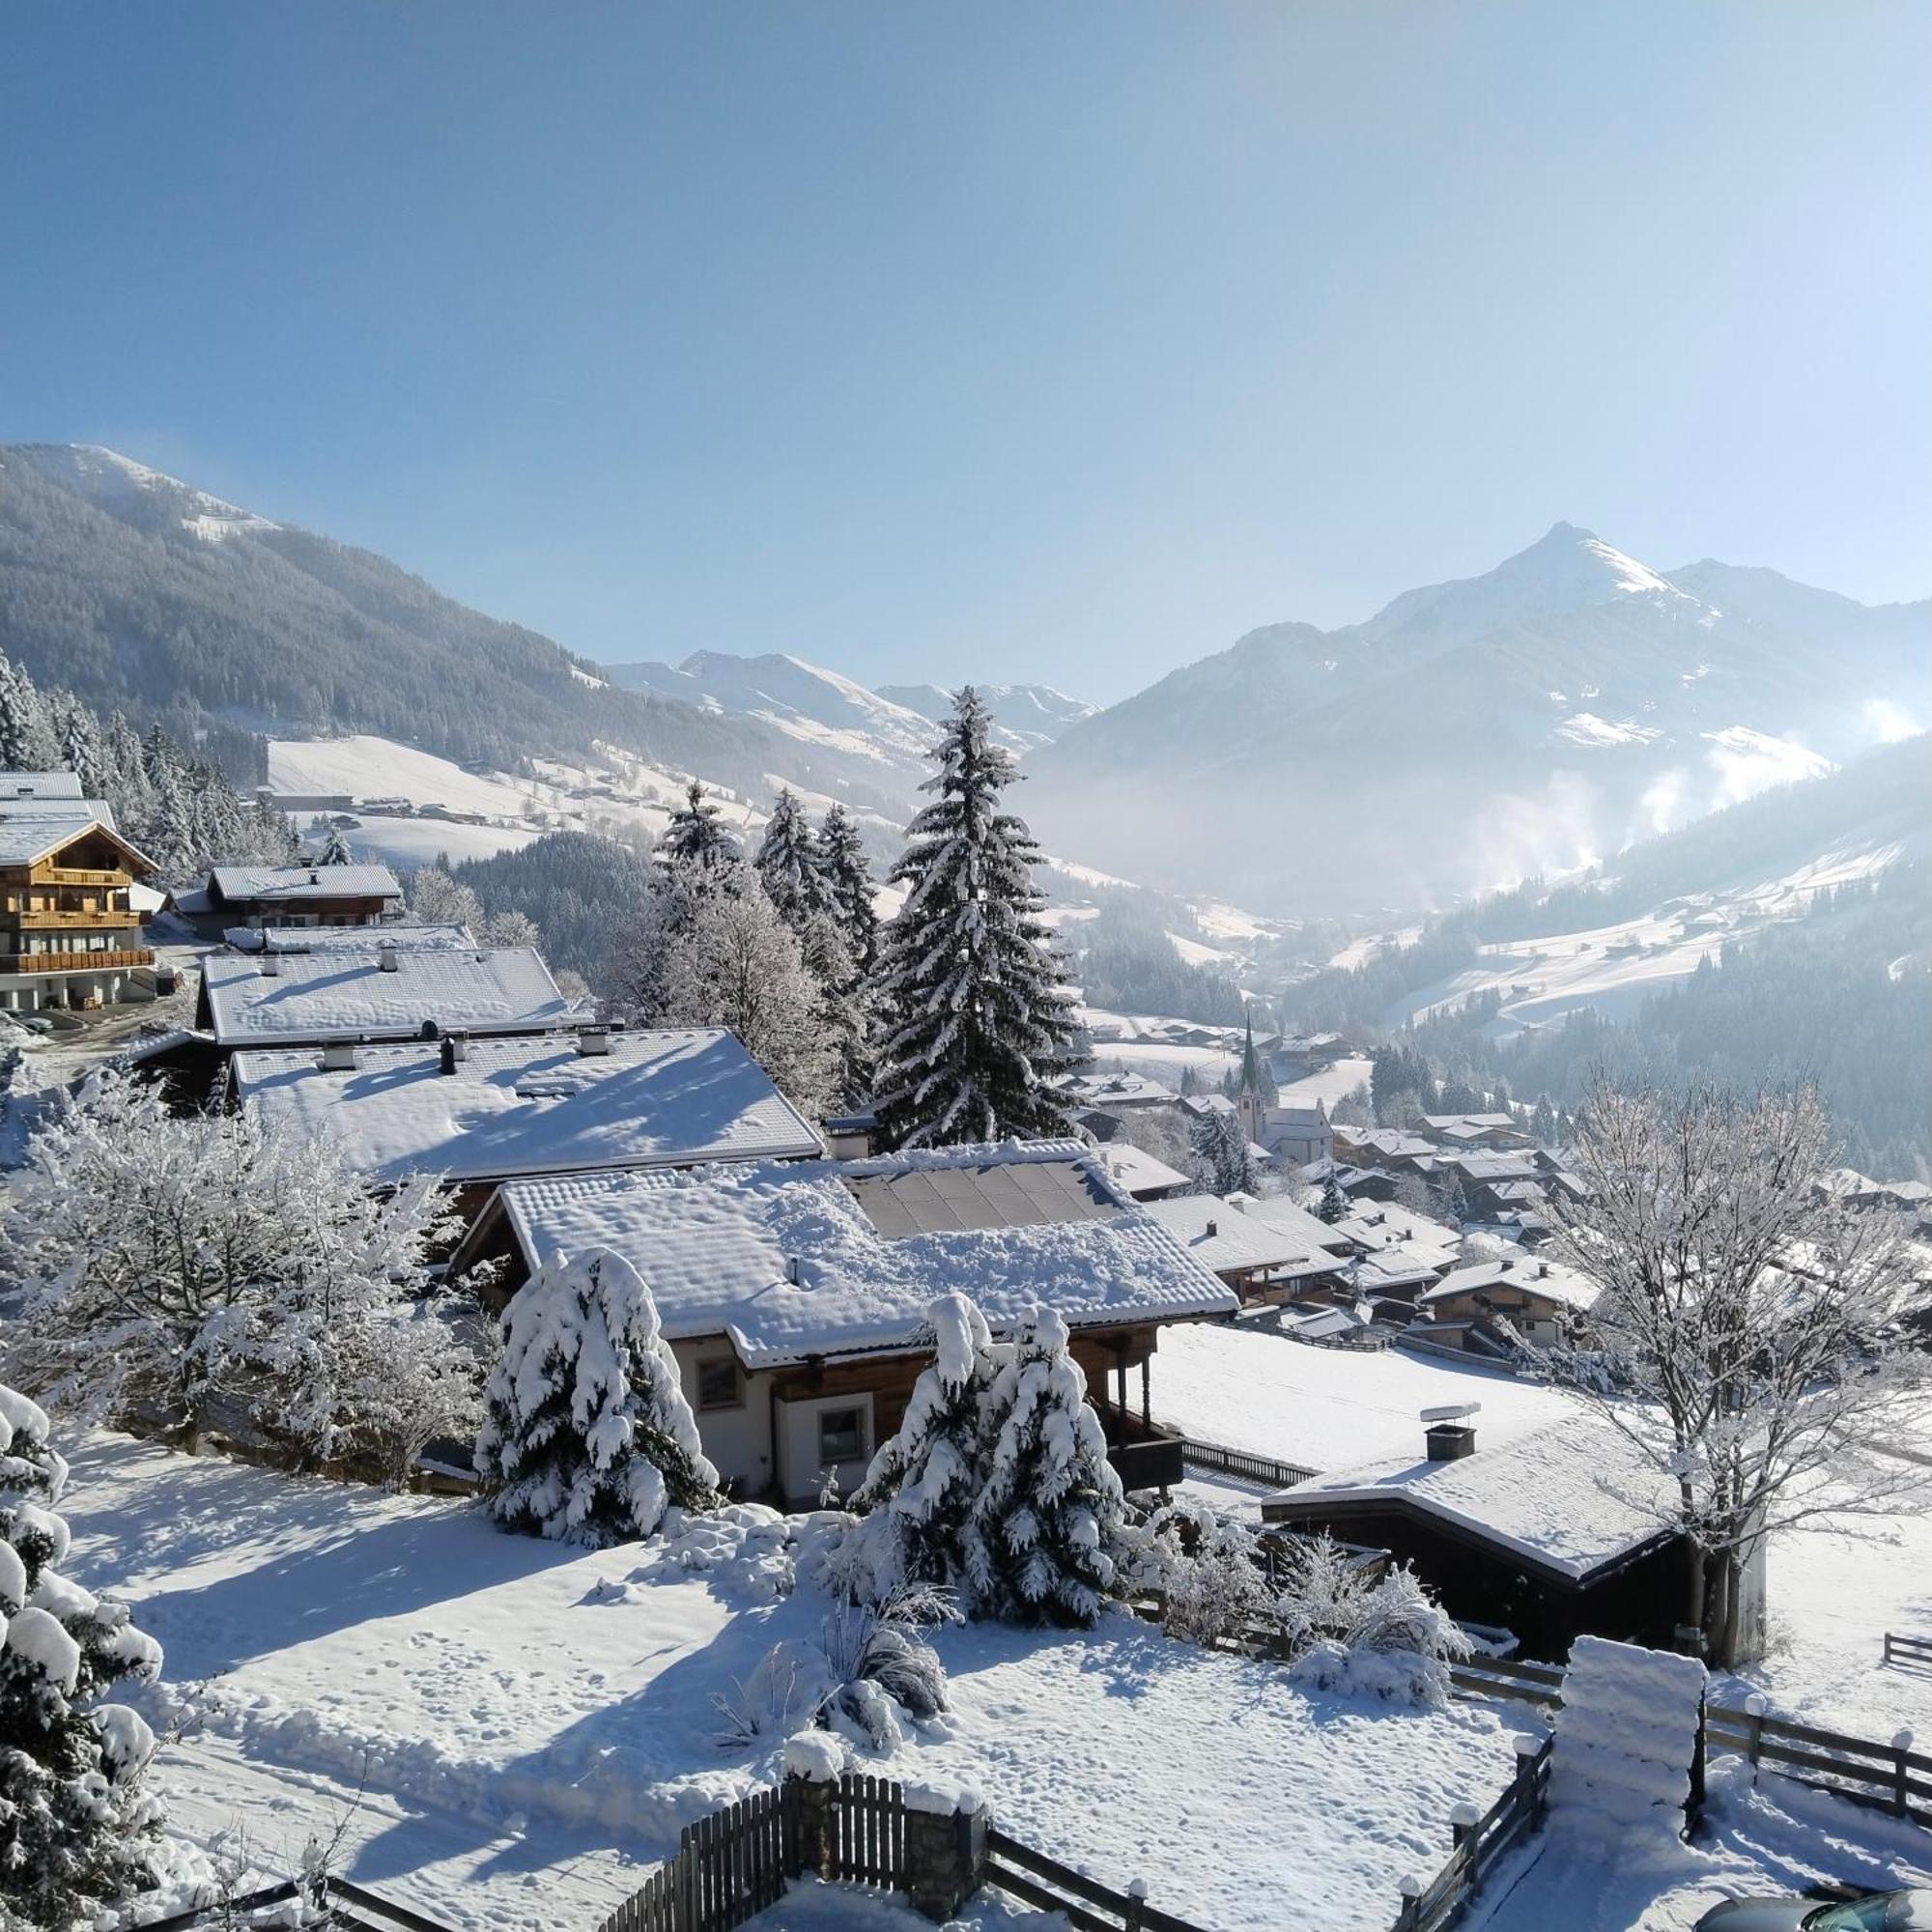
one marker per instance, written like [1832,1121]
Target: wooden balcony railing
[58,918]
[74,962]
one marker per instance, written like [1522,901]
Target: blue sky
[1051,339]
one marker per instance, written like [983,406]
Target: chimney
[338,1056]
[1448,1433]
[1543,1270]
[314,877]
[793,1272]
[386,956]
[271,965]
[455,1050]
[1213,1229]
[594,1041]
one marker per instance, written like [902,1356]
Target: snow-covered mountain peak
[1569,568]
[106,477]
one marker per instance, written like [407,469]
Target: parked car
[1877,1912]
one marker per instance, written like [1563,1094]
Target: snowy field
[528,1727]
[1244,1388]
[404,844]
[1614,968]
[1332,1084]
[369,767]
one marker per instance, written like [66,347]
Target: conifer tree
[787,864]
[1225,1164]
[847,874]
[698,839]
[927,1478]
[1335,1203]
[26,732]
[1039,1547]
[587,1436]
[77,1829]
[335,849]
[976,1017]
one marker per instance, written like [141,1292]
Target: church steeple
[1248,1101]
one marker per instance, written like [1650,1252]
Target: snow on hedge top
[279,883]
[533,1105]
[783,1258]
[1570,1496]
[342,994]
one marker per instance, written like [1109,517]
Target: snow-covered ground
[370,767]
[1615,967]
[1244,1388]
[405,844]
[1331,1085]
[529,1727]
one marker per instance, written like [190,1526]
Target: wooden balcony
[75,962]
[79,876]
[1144,1457]
[65,919]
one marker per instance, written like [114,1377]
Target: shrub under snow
[78,1831]
[587,1436]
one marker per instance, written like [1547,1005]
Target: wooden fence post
[1528,1749]
[1901,1744]
[1462,1822]
[1754,1744]
[1694,1805]
[1137,1894]
[1887,1656]
[1411,1888]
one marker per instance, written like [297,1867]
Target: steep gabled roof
[26,838]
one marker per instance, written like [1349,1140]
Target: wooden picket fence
[1902,1649]
[1476,1847]
[1086,1905]
[1510,1677]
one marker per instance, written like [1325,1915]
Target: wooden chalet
[795,1295]
[69,933]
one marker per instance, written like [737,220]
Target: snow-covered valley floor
[528,1727]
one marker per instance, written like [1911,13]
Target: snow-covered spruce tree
[1039,1547]
[924,1481]
[166,1258]
[27,740]
[78,1828]
[847,875]
[975,1014]
[787,864]
[1222,1158]
[698,836]
[1335,1205]
[845,1008]
[586,1435]
[335,849]
[1758,1321]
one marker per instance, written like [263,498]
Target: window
[842,1435]
[718,1385]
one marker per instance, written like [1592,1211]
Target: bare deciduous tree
[1751,1326]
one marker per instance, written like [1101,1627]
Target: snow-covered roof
[1274,1118]
[36,827]
[346,993]
[1138,1171]
[783,1258]
[1481,1122]
[533,1105]
[1554,1280]
[1375,1226]
[350,938]
[293,883]
[1567,1498]
[39,785]
[1221,1237]
[1120,1090]
[1522,1166]
[1281,1214]
[1386,1143]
